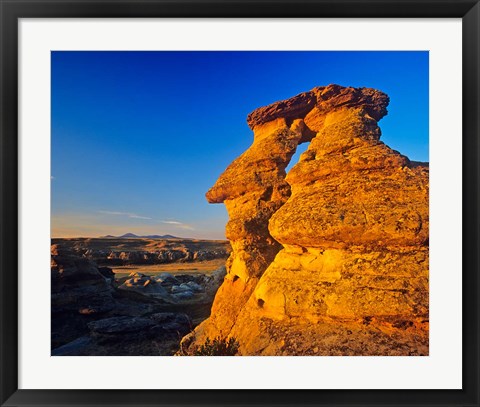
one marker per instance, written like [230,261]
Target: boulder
[120,325]
[194,287]
[145,285]
[180,288]
[78,285]
[183,295]
[173,322]
[167,279]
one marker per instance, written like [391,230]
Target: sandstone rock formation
[331,259]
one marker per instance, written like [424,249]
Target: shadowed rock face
[92,313]
[338,247]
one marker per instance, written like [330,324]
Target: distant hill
[161,237]
[128,236]
[134,236]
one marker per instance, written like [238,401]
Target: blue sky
[139,137]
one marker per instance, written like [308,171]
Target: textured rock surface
[78,285]
[181,289]
[153,334]
[333,257]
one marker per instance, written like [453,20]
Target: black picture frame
[13,10]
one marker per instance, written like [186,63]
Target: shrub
[218,347]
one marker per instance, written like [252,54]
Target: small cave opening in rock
[301,148]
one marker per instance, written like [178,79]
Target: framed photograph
[239,203]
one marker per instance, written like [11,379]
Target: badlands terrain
[124,251]
[131,296]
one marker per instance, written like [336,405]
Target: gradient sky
[139,137]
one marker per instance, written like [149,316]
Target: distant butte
[134,236]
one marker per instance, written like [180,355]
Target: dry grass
[201,267]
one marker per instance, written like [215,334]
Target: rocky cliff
[331,258]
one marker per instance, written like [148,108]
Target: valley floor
[202,267]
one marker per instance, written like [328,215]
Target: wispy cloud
[127,214]
[174,223]
[178,224]
[133,216]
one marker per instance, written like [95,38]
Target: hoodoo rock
[331,259]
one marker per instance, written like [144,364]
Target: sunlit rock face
[331,259]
